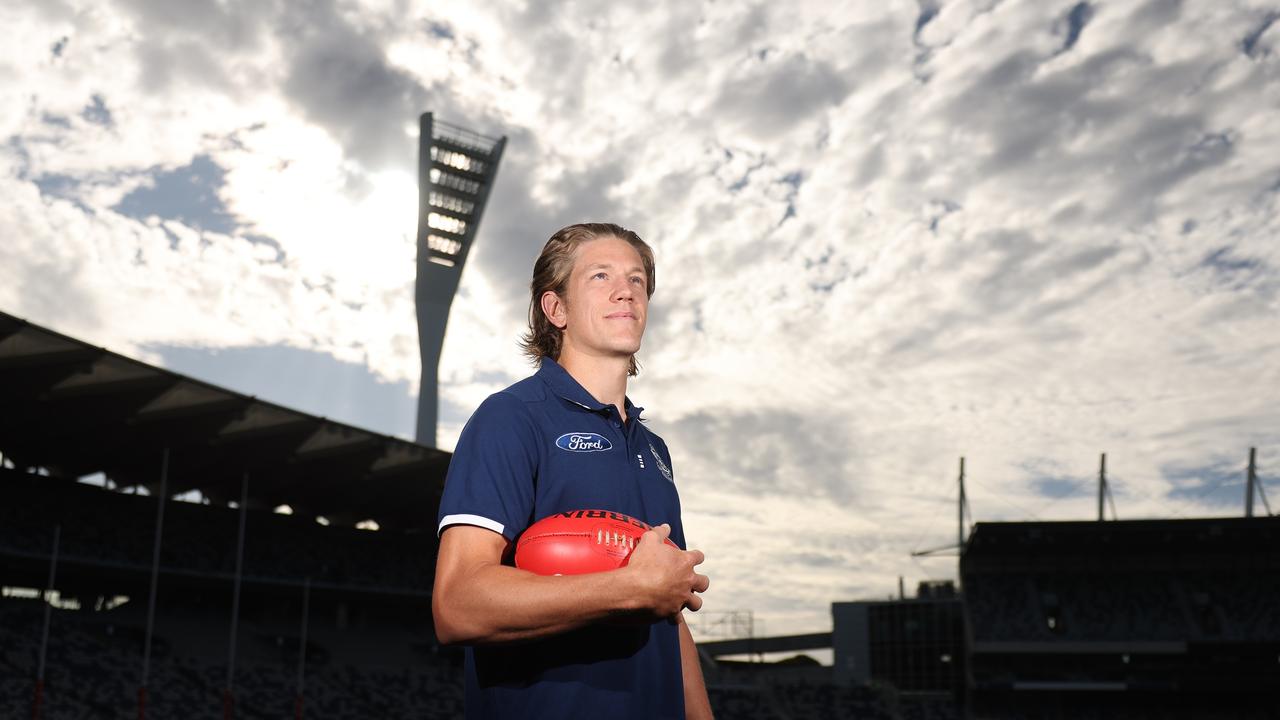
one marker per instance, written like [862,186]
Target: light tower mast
[456,169]
[1104,492]
[1253,486]
[962,530]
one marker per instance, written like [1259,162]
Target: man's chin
[624,351]
[625,346]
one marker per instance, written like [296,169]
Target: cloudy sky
[888,236]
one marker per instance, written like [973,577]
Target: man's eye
[599,275]
[637,280]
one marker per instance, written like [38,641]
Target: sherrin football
[579,541]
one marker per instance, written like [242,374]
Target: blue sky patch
[188,194]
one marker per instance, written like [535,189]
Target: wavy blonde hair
[551,273]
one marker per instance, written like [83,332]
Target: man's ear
[553,307]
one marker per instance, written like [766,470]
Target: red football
[579,541]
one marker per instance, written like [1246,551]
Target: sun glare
[377,240]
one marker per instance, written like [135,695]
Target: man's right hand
[665,576]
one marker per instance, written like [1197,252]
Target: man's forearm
[501,604]
[697,706]
[477,599]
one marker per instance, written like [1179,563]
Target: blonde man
[568,438]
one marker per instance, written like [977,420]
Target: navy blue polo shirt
[545,446]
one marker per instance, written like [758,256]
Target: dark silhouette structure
[131,586]
[916,644]
[456,169]
[1133,618]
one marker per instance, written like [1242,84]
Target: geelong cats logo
[662,467]
[583,442]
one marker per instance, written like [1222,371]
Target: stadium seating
[1109,607]
[93,670]
[827,701]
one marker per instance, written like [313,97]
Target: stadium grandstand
[1100,619]
[1135,618]
[298,532]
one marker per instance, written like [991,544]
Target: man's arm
[697,706]
[478,600]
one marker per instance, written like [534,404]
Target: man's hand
[665,576]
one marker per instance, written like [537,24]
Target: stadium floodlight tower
[456,169]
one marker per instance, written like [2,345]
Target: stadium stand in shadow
[1138,618]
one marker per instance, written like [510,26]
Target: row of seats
[93,671]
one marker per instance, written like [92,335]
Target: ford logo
[583,442]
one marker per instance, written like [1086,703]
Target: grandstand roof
[76,409]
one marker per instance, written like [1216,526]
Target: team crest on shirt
[662,467]
[583,442]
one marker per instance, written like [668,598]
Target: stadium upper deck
[1135,581]
[108,537]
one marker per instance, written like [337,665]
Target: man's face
[607,301]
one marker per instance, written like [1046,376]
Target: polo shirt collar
[563,384]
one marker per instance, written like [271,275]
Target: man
[608,644]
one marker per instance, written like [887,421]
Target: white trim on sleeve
[483,522]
